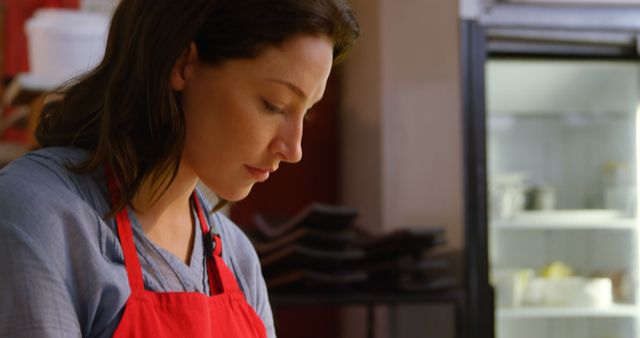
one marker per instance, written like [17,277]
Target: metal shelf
[456,298]
[565,220]
[618,310]
[363,298]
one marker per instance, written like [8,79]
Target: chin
[235,196]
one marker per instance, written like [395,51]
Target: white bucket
[65,43]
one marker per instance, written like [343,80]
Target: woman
[103,231]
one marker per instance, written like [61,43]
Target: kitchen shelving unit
[541,240]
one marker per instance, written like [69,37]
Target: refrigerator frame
[476,47]
[479,321]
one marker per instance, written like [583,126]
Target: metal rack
[369,300]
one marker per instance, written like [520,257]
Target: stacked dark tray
[320,249]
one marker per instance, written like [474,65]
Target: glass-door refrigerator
[561,146]
[558,113]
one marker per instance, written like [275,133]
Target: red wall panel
[16,13]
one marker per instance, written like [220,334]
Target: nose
[287,145]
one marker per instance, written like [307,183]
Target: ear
[183,68]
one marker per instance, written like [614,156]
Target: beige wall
[422,168]
[360,119]
[401,122]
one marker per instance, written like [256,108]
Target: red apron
[225,314]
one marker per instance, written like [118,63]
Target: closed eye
[271,107]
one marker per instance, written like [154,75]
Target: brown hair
[124,111]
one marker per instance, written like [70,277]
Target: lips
[258,174]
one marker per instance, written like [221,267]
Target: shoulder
[45,200]
[54,159]
[41,171]
[43,177]
[235,237]
[52,227]
[240,252]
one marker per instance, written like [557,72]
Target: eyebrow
[291,86]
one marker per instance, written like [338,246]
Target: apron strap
[212,247]
[216,245]
[125,233]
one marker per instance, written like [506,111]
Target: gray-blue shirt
[61,265]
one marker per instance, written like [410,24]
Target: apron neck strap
[213,250]
[212,237]
[125,234]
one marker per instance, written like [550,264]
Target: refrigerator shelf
[618,310]
[549,222]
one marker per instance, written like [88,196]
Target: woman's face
[245,116]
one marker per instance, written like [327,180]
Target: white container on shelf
[507,195]
[511,285]
[65,43]
[570,292]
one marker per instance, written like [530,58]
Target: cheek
[224,133]
[204,110]
[223,125]
[240,126]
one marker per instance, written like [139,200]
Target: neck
[173,201]
[167,220]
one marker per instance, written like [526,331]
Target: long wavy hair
[124,111]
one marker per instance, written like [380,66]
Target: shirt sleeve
[263,307]
[35,300]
